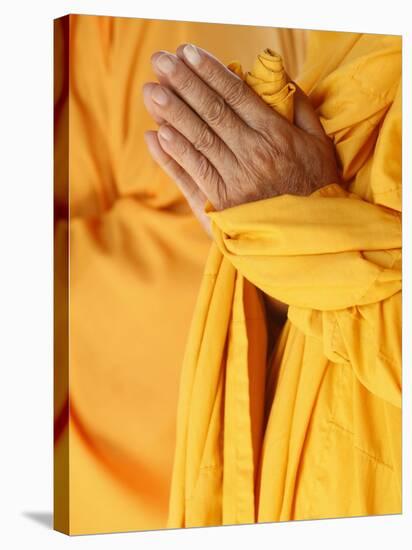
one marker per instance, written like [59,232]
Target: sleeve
[336,260]
[328,251]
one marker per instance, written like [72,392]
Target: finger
[147,100]
[209,105]
[305,116]
[203,173]
[236,93]
[165,105]
[194,196]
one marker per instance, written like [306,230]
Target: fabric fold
[279,245]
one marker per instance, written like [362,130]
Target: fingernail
[165,133]
[192,54]
[166,63]
[159,95]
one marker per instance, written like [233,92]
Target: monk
[290,396]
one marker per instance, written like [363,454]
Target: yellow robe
[136,259]
[316,431]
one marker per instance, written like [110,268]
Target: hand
[219,141]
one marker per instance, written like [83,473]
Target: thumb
[305,116]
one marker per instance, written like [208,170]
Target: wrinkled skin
[219,141]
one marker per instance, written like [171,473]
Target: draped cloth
[314,430]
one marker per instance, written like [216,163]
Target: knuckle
[204,169]
[215,111]
[236,93]
[181,148]
[178,114]
[205,140]
[209,73]
[281,148]
[185,83]
[264,154]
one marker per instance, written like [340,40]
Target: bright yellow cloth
[136,259]
[316,432]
